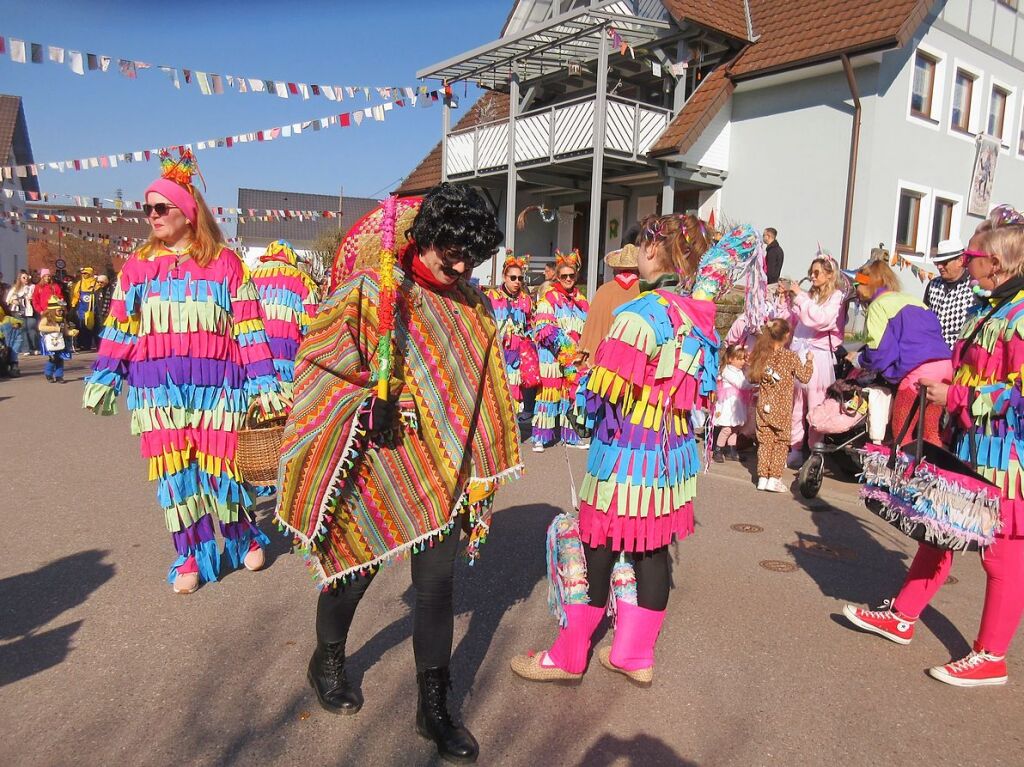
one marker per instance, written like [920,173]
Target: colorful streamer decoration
[388,291]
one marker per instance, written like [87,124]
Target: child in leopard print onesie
[775,369]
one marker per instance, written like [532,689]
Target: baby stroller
[841,419]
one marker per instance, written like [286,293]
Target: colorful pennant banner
[342,120]
[209,84]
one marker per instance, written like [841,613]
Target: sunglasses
[161,209]
[515,278]
[972,254]
[567,276]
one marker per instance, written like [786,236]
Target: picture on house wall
[979,200]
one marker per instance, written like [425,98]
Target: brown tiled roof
[727,16]
[491,106]
[797,32]
[794,33]
[709,98]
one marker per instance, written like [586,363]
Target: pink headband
[177,194]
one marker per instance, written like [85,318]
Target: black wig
[456,218]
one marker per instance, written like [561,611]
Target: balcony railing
[554,133]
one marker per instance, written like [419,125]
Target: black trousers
[433,573]
[652,575]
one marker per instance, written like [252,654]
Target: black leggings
[433,623]
[652,575]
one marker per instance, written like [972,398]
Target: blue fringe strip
[208,559]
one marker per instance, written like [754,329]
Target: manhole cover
[951,581]
[743,527]
[824,550]
[778,565]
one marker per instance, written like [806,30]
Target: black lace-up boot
[454,742]
[327,677]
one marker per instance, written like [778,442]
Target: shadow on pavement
[31,600]
[639,751]
[849,563]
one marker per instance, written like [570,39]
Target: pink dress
[818,331]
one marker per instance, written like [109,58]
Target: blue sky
[313,41]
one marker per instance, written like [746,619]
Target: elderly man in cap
[949,295]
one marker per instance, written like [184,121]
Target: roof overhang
[544,48]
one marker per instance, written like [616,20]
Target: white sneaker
[538,447]
[581,445]
[775,486]
[762,483]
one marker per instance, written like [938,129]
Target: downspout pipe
[851,178]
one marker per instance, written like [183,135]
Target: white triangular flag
[56,54]
[17,51]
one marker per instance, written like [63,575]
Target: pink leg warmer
[636,632]
[569,652]
[927,573]
[1004,593]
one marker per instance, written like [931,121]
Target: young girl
[733,405]
[55,334]
[773,368]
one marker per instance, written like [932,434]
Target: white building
[847,124]
[15,149]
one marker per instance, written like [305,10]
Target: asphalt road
[101,664]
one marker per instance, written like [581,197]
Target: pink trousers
[808,396]
[1004,587]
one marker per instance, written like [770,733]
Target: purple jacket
[902,335]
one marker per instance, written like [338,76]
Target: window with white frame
[998,102]
[922,93]
[963,101]
[944,223]
[908,220]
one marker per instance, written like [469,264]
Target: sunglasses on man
[565,277]
[161,209]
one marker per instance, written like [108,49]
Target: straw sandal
[642,677]
[529,667]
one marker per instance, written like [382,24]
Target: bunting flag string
[376,113]
[120,204]
[241,216]
[209,84]
[901,263]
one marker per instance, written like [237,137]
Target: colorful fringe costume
[288,300]
[190,344]
[658,362]
[557,328]
[514,317]
[354,506]
[985,398]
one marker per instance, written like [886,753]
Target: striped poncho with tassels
[189,343]
[353,505]
[658,362]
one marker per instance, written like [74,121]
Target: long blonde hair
[824,293]
[207,239]
[771,338]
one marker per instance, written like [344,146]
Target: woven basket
[259,448]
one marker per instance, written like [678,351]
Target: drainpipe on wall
[851,179]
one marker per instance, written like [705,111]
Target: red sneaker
[883,622]
[979,668]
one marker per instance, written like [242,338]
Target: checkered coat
[950,303]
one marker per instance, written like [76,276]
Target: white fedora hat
[946,251]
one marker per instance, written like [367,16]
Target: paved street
[100,664]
